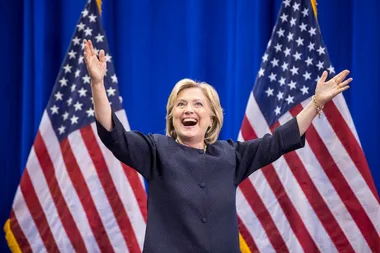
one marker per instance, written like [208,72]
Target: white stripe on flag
[255,117]
[98,195]
[271,203]
[124,190]
[251,222]
[240,137]
[122,116]
[342,107]
[26,222]
[41,187]
[68,191]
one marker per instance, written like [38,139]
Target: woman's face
[191,115]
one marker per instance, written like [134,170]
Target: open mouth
[189,122]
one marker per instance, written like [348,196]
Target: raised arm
[131,148]
[324,92]
[254,154]
[97,69]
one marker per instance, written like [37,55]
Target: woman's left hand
[326,91]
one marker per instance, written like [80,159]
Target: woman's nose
[189,110]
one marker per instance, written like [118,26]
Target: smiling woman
[194,114]
[192,176]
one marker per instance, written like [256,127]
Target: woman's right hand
[96,67]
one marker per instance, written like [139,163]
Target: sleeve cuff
[290,136]
[109,137]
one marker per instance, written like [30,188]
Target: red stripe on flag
[247,237]
[19,235]
[263,215]
[37,212]
[341,186]
[246,129]
[349,142]
[255,201]
[64,213]
[138,190]
[289,210]
[84,194]
[316,201]
[110,189]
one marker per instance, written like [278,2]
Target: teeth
[189,120]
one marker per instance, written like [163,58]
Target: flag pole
[313,4]
[99,3]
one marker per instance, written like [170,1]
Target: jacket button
[204,220]
[202,185]
[200,151]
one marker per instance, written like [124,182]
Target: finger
[340,90]
[341,76]
[91,47]
[323,77]
[86,52]
[336,78]
[86,58]
[102,57]
[341,85]
[86,48]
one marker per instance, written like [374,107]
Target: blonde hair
[212,96]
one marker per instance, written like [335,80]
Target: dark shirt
[191,200]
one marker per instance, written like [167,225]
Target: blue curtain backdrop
[157,42]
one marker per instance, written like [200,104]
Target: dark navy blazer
[191,200]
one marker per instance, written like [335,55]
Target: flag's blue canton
[293,62]
[70,106]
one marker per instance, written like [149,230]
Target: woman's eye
[198,104]
[181,104]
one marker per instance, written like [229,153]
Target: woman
[192,176]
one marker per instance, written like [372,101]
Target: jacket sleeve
[255,154]
[130,147]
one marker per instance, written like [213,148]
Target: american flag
[74,196]
[322,197]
